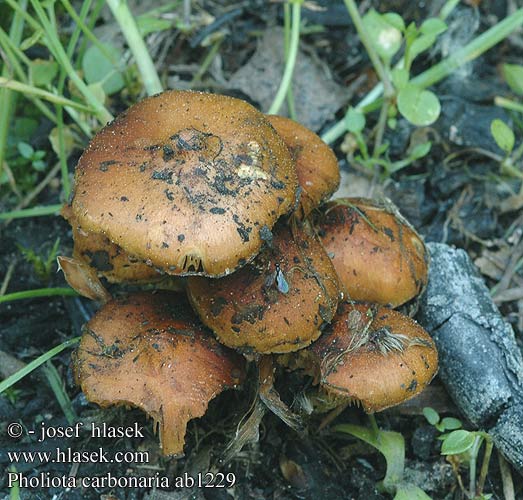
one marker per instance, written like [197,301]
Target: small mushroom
[150,351]
[372,355]
[316,163]
[185,181]
[278,303]
[378,255]
[106,258]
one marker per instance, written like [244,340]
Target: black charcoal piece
[480,362]
[508,435]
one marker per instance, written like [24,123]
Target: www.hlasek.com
[62,455]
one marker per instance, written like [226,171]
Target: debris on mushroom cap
[378,255]
[150,351]
[106,258]
[374,355]
[316,164]
[186,181]
[279,302]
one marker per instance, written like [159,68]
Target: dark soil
[455,195]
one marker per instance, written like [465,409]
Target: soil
[456,195]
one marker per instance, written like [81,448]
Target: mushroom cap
[378,255]
[150,351]
[186,181]
[106,258]
[278,303]
[316,164]
[374,355]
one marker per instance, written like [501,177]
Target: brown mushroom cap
[277,303]
[316,164]
[150,351]
[186,181]
[377,254]
[106,258]
[374,355]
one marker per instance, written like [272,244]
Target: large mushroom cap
[185,181]
[150,351]
[374,355]
[279,302]
[377,254]
[316,164]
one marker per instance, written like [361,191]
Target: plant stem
[56,48]
[31,212]
[30,89]
[472,465]
[503,102]
[55,381]
[506,478]
[474,49]
[127,24]
[15,377]
[291,59]
[489,445]
[7,98]
[38,292]
[380,126]
[449,6]
[287,32]
[380,69]
[374,425]
[206,62]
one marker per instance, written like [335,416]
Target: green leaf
[421,44]
[433,26]
[450,423]
[385,37]
[400,77]
[149,24]
[68,140]
[431,415]
[26,150]
[354,120]
[418,106]
[32,40]
[420,150]
[390,444]
[394,20]
[503,135]
[99,69]
[457,442]
[514,76]
[39,165]
[42,72]
[409,491]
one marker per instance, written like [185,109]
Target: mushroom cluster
[225,210]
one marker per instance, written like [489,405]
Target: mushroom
[186,181]
[372,355]
[106,258]
[378,255]
[278,303]
[149,350]
[316,163]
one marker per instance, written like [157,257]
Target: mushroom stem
[269,395]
